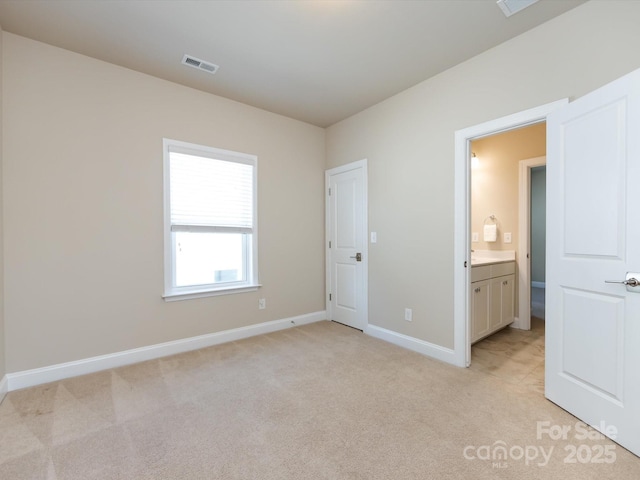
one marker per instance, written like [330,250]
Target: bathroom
[501,166]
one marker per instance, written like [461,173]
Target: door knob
[358,257]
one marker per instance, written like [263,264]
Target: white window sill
[189,294]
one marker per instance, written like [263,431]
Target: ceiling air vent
[199,64]
[509,7]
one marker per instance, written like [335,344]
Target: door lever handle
[358,257]
[630,282]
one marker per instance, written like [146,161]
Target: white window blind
[210,194]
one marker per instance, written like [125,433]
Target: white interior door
[347,245]
[593,235]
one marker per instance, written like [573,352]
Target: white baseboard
[538,284]
[4,387]
[411,343]
[38,376]
[516,323]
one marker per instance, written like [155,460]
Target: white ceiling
[319,61]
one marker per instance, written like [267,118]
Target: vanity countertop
[489,257]
[476,262]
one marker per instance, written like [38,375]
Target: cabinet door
[507,294]
[479,309]
[495,303]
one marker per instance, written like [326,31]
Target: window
[210,221]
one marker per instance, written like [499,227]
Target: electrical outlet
[475,237]
[507,237]
[408,314]
[262,303]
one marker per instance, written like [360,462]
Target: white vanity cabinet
[492,298]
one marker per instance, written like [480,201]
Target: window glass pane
[206,258]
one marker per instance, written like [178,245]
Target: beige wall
[409,142]
[494,181]
[83,207]
[3,369]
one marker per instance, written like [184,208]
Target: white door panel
[347,245]
[592,360]
[344,190]
[346,286]
[593,235]
[597,187]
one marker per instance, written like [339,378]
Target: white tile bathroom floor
[515,356]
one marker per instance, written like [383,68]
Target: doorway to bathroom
[507,245]
[463,222]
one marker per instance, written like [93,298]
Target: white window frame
[173,292]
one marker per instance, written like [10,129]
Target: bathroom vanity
[492,293]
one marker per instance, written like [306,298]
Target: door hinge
[329,243]
[329,192]
[329,297]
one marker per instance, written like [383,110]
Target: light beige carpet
[321,401]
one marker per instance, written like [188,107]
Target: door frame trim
[462,216]
[363,166]
[523,320]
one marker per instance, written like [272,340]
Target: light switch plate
[475,237]
[374,237]
[507,237]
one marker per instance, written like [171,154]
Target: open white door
[593,235]
[347,256]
